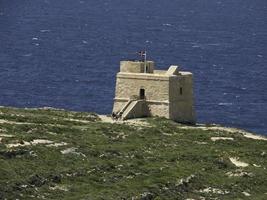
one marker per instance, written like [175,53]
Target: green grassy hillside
[56,154]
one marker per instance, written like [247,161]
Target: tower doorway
[142,94]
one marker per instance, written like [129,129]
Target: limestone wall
[156,88]
[156,92]
[158,109]
[182,99]
[118,105]
[136,66]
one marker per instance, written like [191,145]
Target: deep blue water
[65,53]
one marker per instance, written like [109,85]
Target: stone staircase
[133,109]
[125,107]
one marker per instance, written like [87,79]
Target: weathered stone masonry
[142,91]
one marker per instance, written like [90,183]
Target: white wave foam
[225,104]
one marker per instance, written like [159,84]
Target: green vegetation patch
[57,154]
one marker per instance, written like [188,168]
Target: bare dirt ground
[134,122]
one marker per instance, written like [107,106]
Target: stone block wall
[156,88]
[158,109]
[136,67]
[182,99]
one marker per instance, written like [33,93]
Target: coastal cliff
[56,154]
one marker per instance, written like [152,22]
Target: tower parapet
[137,66]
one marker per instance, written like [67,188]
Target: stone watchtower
[142,91]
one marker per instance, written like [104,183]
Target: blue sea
[66,53]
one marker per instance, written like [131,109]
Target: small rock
[72,150]
[221,138]
[246,194]
[238,163]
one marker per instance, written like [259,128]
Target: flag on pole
[142,54]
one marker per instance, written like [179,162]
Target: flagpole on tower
[143,55]
[145,61]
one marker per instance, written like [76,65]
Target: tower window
[181,91]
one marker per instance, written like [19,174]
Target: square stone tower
[142,91]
